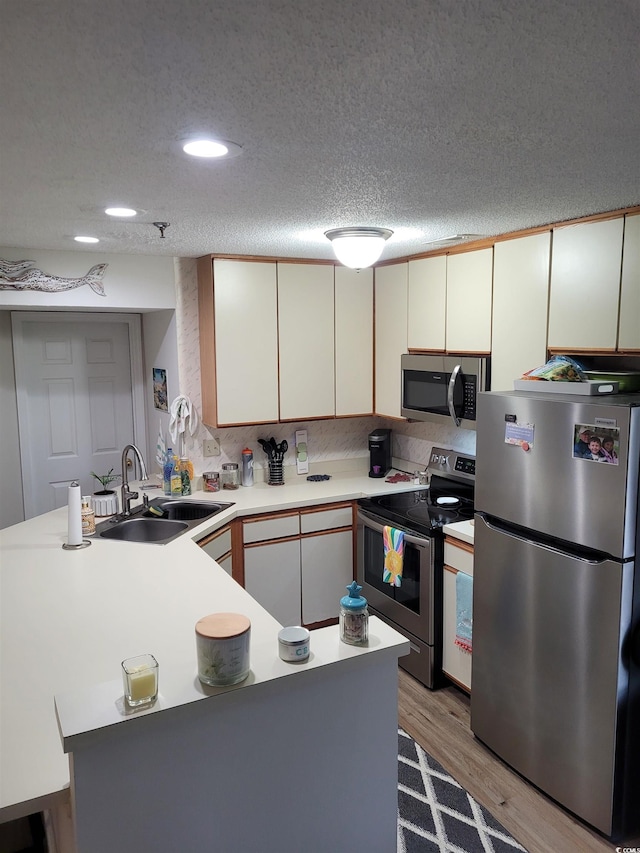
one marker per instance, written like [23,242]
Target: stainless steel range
[415,607]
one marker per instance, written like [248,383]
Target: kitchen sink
[144,530]
[187,510]
[161,521]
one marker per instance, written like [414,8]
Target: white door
[75,405]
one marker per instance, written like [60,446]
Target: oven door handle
[455,373]
[420,541]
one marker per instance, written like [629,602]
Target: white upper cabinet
[629,327]
[585,285]
[520,303]
[246,341]
[306,341]
[354,341]
[391,288]
[427,303]
[469,278]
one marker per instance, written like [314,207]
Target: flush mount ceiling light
[358,248]
[86,239]
[211,148]
[120,211]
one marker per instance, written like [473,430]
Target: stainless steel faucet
[128,496]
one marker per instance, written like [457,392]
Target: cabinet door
[427,303]
[585,285]
[218,544]
[306,341]
[390,335]
[456,663]
[520,303]
[629,325]
[354,341]
[469,279]
[272,577]
[327,568]
[246,341]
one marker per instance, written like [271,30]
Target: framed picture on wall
[160,389]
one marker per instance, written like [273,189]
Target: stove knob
[444,460]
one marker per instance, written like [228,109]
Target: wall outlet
[211,447]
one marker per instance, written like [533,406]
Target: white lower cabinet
[326,570]
[456,662]
[218,547]
[300,577]
[272,577]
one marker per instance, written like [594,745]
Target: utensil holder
[276,473]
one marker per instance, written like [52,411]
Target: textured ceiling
[429,117]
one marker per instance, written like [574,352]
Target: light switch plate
[302,453]
[211,447]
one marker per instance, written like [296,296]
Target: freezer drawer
[549,688]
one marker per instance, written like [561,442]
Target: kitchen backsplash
[329,441]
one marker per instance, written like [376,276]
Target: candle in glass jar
[140,675]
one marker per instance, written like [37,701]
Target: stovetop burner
[452,480]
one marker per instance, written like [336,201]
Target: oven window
[408,594]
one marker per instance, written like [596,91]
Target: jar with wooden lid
[222,642]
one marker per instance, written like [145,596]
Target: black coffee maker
[379,452]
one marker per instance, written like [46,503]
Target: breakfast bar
[297,753]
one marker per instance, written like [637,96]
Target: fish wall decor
[22,275]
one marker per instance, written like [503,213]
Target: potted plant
[105,501]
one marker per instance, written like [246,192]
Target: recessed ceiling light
[211,148]
[86,239]
[120,211]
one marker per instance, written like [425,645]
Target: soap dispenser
[354,616]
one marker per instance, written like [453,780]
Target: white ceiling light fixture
[356,247]
[121,211]
[86,239]
[211,148]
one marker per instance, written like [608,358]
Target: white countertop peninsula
[69,618]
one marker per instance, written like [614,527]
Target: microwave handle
[455,373]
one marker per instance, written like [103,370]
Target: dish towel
[183,414]
[393,541]
[464,611]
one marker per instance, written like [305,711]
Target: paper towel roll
[74,530]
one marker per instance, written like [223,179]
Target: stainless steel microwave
[443,387]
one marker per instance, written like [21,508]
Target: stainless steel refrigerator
[556,601]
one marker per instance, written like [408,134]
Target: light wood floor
[439,721]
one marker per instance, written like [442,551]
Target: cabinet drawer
[326,519]
[217,544]
[458,556]
[271,528]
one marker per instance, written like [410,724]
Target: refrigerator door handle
[586,555]
[455,373]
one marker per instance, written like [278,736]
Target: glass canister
[354,617]
[230,475]
[88,516]
[211,481]
[223,642]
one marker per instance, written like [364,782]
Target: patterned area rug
[436,814]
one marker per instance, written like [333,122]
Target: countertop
[462,530]
[68,618]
